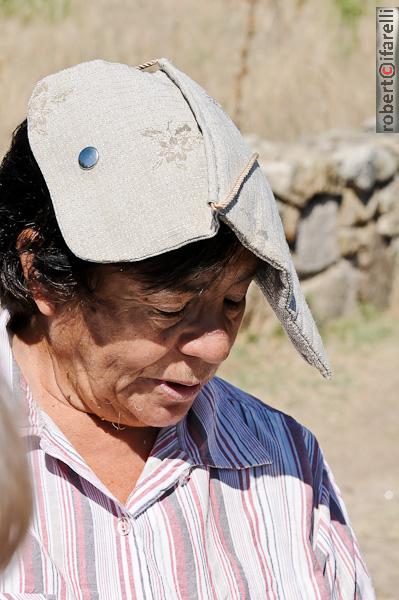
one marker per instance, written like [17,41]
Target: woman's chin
[156,411]
[157,416]
[165,416]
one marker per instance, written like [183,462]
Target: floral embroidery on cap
[41,104]
[175,143]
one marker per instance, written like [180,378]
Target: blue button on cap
[88,157]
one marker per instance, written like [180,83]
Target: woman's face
[111,356]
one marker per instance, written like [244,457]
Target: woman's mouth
[177,391]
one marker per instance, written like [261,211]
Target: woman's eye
[235,303]
[165,313]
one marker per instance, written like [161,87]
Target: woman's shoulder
[281,431]
[247,403]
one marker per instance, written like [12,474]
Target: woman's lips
[177,391]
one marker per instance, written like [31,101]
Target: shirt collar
[215,433]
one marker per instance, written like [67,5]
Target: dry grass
[305,69]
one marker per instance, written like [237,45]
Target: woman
[134,218]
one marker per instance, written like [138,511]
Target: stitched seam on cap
[293,322]
[295,325]
[310,346]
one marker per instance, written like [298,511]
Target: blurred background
[298,79]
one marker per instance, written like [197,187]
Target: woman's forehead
[129,283]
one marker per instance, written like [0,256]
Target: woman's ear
[26,257]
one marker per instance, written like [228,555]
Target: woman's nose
[211,345]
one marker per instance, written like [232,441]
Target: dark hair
[25,203]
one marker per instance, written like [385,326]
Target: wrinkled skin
[102,358]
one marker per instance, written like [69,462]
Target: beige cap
[139,163]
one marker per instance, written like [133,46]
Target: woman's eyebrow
[196,287]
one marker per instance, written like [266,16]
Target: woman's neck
[115,453]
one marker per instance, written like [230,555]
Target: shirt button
[124,526]
[184,478]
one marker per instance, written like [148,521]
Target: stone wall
[338,196]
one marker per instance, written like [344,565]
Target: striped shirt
[235,501]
